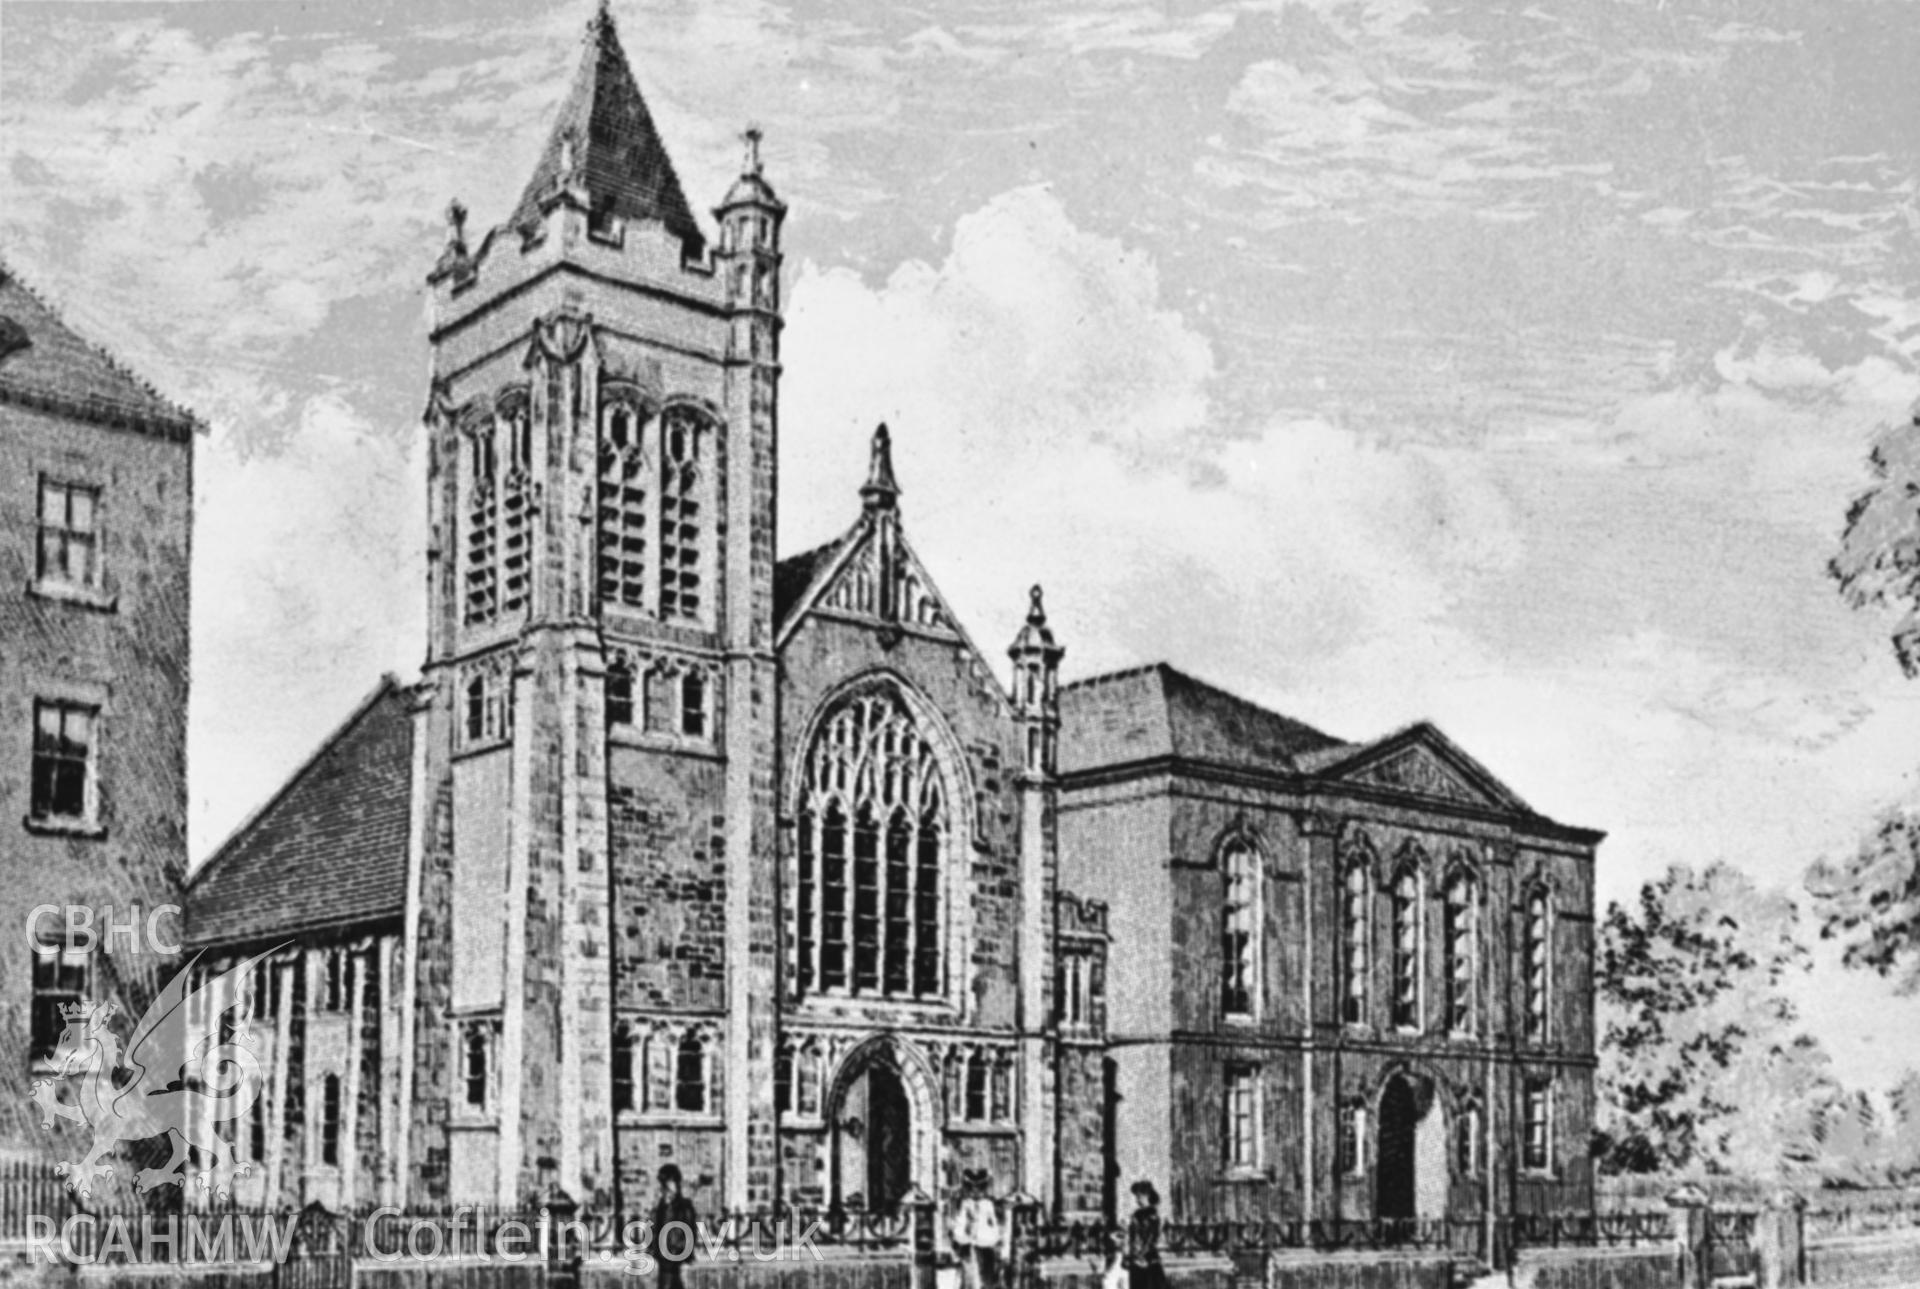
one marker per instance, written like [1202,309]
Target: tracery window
[621,536]
[1239,928]
[680,513]
[1406,946]
[1354,899]
[872,833]
[1461,933]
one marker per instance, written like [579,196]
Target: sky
[1508,365]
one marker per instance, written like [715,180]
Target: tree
[1701,1064]
[1870,902]
[1879,558]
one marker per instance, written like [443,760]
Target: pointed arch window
[871,848]
[516,503]
[1406,945]
[620,691]
[1355,895]
[1537,963]
[1461,932]
[683,435]
[481,585]
[620,538]
[1239,928]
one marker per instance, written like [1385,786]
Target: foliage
[1878,562]
[1701,1064]
[1870,902]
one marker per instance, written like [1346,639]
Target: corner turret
[1036,687]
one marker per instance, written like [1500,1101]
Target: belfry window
[681,520]
[516,505]
[872,834]
[621,537]
[481,585]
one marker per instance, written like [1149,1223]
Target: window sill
[964,1129]
[87,829]
[472,1123]
[667,1119]
[85,597]
[1239,1020]
[661,740]
[1245,1176]
[480,747]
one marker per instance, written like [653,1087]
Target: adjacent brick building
[756,867]
[96,508]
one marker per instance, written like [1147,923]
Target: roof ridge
[170,408]
[388,682]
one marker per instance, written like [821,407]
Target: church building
[682,852]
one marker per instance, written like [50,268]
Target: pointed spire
[751,188]
[880,491]
[604,142]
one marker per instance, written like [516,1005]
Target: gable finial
[880,491]
[457,224]
[602,20]
[1036,611]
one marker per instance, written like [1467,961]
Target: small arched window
[1537,951]
[476,709]
[690,1075]
[976,1089]
[693,703]
[1466,1141]
[1354,939]
[620,691]
[474,1070]
[1239,928]
[783,1088]
[623,1071]
[1461,933]
[330,1120]
[1406,945]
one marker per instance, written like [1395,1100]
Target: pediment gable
[1422,762]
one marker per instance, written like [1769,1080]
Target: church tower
[595,724]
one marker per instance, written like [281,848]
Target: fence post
[560,1240]
[1779,1242]
[1692,1236]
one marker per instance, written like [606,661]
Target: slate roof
[617,152]
[1158,711]
[329,849]
[45,363]
[794,576]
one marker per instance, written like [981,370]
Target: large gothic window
[621,533]
[872,837]
[681,521]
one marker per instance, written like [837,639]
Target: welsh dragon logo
[187,1068]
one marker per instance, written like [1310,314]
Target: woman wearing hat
[977,1231]
[1143,1240]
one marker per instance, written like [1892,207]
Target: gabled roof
[1156,711]
[606,132]
[330,848]
[45,363]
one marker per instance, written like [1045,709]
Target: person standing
[977,1232]
[1143,1240]
[672,1209]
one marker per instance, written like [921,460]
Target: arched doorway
[1399,1122]
[882,1113]
[1410,1180]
